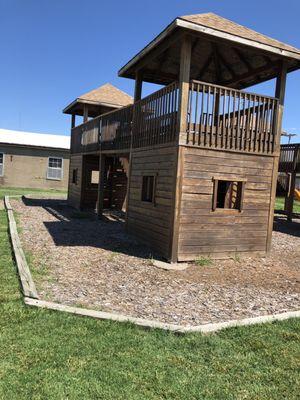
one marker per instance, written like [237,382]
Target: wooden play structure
[289,168]
[194,165]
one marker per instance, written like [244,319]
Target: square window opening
[95,177]
[228,195]
[75,176]
[148,188]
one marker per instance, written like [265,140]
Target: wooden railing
[85,137]
[217,117]
[115,129]
[289,160]
[224,118]
[155,117]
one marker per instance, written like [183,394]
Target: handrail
[217,117]
[238,120]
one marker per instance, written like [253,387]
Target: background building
[34,160]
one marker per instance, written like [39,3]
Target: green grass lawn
[20,191]
[279,204]
[51,355]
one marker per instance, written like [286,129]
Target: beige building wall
[26,166]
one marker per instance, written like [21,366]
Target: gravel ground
[79,260]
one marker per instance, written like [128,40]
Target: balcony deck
[218,117]
[289,160]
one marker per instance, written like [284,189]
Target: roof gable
[107,94]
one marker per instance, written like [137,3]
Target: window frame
[241,181]
[62,169]
[154,176]
[3,158]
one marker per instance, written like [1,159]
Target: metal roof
[34,139]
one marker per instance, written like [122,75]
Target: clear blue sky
[55,50]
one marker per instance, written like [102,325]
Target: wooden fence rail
[155,117]
[224,118]
[218,117]
[289,160]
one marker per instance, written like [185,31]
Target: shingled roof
[214,21]
[105,96]
[245,57]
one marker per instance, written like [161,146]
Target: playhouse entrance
[115,182]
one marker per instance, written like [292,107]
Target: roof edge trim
[235,38]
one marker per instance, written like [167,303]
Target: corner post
[138,86]
[101,184]
[183,98]
[73,121]
[289,200]
[85,113]
[279,94]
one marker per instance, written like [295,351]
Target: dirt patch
[80,260]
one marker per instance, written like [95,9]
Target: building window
[148,187]
[228,194]
[75,176]
[1,164]
[55,168]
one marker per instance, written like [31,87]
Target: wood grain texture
[153,223]
[203,231]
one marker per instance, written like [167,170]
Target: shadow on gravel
[76,228]
[289,227]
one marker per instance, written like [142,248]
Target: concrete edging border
[31,298]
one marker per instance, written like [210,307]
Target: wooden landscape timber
[202,152]
[32,299]
[27,284]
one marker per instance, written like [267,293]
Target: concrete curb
[31,299]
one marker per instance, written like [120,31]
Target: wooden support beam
[184,82]
[85,113]
[238,79]
[243,59]
[279,93]
[219,56]
[289,200]
[73,121]
[184,85]
[101,185]
[205,66]
[138,86]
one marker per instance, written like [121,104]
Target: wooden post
[101,184]
[73,121]
[85,113]
[279,93]
[138,86]
[184,84]
[291,195]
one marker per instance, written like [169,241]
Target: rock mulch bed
[79,260]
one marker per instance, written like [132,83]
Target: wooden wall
[89,193]
[217,233]
[74,192]
[149,222]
